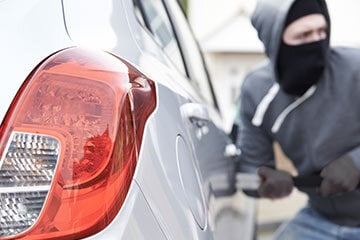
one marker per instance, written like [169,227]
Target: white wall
[206,16]
[345,18]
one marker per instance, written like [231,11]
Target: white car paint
[26,41]
[161,202]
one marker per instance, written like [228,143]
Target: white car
[110,128]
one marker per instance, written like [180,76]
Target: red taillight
[70,142]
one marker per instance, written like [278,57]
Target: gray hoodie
[312,130]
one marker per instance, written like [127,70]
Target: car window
[157,22]
[192,54]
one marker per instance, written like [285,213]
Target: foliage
[184,5]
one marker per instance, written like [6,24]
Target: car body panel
[161,188]
[165,192]
[134,221]
[23,43]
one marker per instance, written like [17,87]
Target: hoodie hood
[269,20]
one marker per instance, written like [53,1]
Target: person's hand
[339,176]
[274,183]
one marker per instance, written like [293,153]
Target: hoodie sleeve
[255,144]
[355,153]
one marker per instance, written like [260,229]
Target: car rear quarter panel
[30,31]
[135,220]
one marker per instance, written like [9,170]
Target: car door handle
[196,113]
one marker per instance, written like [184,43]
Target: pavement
[235,217]
[242,218]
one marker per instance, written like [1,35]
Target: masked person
[306,98]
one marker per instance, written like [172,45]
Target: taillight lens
[69,145]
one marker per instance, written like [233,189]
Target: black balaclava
[301,66]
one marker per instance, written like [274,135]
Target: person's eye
[304,35]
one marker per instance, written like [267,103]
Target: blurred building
[231,53]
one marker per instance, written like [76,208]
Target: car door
[203,120]
[207,139]
[200,142]
[210,142]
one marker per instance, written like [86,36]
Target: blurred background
[232,49]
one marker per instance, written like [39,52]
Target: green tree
[184,5]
